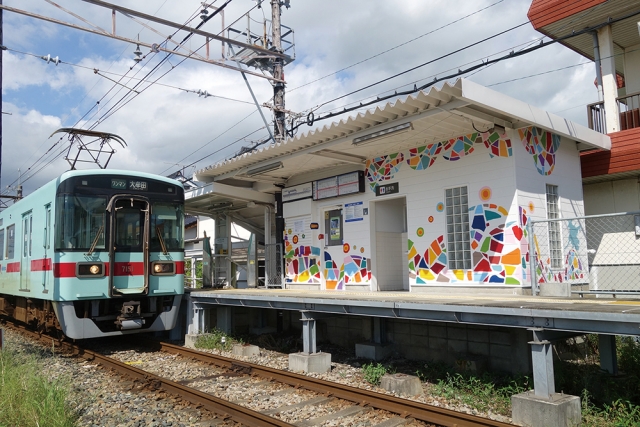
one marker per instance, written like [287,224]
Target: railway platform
[471,330]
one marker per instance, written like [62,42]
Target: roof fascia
[521,111]
[451,105]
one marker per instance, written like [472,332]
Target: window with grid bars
[555,239]
[458,245]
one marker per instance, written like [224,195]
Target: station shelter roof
[458,108]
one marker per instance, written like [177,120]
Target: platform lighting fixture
[266,168]
[384,132]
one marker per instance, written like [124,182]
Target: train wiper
[95,240]
[161,239]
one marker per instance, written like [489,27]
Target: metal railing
[597,254]
[629,108]
[273,266]
[596,115]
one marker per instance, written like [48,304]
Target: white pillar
[609,80]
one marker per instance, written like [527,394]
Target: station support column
[309,360]
[542,406]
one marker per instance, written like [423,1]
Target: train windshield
[81,221]
[167,227]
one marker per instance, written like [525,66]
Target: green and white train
[95,253]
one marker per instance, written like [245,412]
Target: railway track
[349,401]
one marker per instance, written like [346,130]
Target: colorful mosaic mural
[499,251]
[456,148]
[574,269]
[430,265]
[497,246]
[354,269]
[383,168]
[301,264]
[542,145]
[498,145]
[333,274]
[421,158]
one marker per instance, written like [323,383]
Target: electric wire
[311,119]
[396,47]
[186,38]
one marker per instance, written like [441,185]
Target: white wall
[612,197]
[499,185]
[632,69]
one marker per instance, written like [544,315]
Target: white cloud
[164,125]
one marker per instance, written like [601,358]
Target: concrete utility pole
[278,73]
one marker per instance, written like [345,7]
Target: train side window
[11,240]
[47,227]
[2,244]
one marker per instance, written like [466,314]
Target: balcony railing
[628,109]
[597,116]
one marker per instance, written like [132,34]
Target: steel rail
[403,407]
[221,407]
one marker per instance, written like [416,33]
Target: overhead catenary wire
[396,47]
[461,72]
[186,38]
[96,104]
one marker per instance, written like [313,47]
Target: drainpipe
[596,58]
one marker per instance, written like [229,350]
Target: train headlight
[163,268]
[90,269]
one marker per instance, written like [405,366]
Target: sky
[340,46]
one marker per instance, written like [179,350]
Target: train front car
[118,264]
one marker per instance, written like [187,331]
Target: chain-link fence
[598,254]
[274,270]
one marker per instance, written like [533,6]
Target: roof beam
[324,145]
[229,191]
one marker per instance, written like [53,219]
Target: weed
[373,373]
[28,397]
[215,340]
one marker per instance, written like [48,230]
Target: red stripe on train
[68,269]
[179,267]
[64,269]
[43,264]
[13,267]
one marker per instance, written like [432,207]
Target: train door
[129,245]
[25,264]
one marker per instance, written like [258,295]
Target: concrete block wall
[503,349]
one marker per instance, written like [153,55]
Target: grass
[486,392]
[216,340]
[28,397]
[373,372]
[607,401]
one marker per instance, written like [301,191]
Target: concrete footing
[190,340]
[555,290]
[402,384]
[560,410]
[246,350]
[318,363]
[373,351]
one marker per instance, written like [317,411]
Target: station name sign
[383,190]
